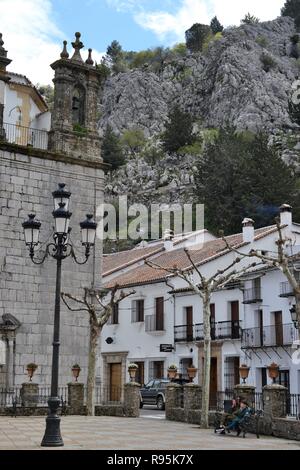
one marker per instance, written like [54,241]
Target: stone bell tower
[4,62]
[74,117]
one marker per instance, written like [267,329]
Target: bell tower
[4,62]
[74,117]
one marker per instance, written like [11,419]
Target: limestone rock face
[227,83]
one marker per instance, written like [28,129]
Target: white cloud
[32,39]
[170,27]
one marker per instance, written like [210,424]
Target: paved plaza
[149,432]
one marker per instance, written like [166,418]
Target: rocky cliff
[244,78]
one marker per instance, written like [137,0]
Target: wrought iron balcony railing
[219,331]
[269,336]
[252,296]
[286,290]
[24,136]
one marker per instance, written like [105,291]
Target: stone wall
[27,179]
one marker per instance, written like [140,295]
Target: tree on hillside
[216,26]
[178,130]
[292,8]
[99,309]
[111,150]
[47,92]
[133,140]
[241,177]
[250,19]
[195,37]
[115,56]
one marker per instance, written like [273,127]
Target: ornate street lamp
[294,317]
[60,249]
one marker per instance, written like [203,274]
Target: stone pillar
[132,400]
[274,398]
[76,397]
[173,398]
[246,392]
[192,394]
[29,394]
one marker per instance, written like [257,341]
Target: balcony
[220,331]
[252,296]
[269,336]
[184,333]
[154,323]
[286,290]
[24,136]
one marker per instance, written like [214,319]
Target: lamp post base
[52,436]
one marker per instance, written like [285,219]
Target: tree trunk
[94,335]
[207,360]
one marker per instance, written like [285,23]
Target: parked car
[153,393]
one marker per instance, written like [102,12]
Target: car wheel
[160,403]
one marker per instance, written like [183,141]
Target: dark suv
[154,392]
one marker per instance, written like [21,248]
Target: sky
[33,30]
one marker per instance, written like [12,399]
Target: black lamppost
[294,316]
[60,249]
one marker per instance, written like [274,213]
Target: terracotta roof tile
[210,250]
[114,262]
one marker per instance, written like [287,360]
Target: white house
[161,323]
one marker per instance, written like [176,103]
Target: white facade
[235,322]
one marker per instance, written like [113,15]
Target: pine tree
[241,177]
[111,150]
[195,37]
[292,8]
[178,130]
[250,19]
[216,26]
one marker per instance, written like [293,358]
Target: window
[115,315]
[137,311]
[156,370]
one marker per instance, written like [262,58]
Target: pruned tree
[204,289]
[99,309]
[279,259]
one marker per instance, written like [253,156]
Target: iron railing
[252,295]
[45,393]
[25,136]
[286,290]
[154,323]
[220,330]
[9,396]
[293,405]
[184,333]
[269,336]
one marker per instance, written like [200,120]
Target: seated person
[230,415]
[240,415]
[231,421]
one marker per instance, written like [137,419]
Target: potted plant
[172,371]
[76,371]
[31,368]
[192,371]
[273,370]
[132,369]
[244,372]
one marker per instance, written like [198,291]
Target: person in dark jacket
[240,415]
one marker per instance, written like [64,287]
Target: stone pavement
[103,432]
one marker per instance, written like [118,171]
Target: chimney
[168,240]
[248,230]
[286,215]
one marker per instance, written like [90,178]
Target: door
[115,381]
[235,320]
[284,379]
[213,321]
[140,373]
[213,382]
[278,328]
[189,323]
[159,302]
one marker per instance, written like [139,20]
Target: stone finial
[4,61]
[89,60]
[77,45]
[64,54]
